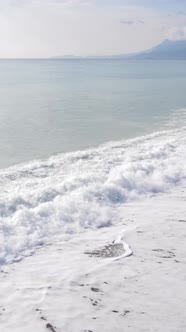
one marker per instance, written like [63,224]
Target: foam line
[51,200]
[127,249]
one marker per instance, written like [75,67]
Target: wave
[44,201]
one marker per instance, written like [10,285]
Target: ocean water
[54,106]
[50,110]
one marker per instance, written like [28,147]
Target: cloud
[181,13]
[131,22]
[141,22]
[177,33]
[66,3]
[127,22]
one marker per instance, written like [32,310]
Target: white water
[49,200]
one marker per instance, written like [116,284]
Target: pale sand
[62,289]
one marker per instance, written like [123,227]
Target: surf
[48,200]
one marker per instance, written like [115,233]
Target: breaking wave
[49,200]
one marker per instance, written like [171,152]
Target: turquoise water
[54,106]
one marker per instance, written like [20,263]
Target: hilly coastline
[166,50]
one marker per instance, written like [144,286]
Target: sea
[79,139]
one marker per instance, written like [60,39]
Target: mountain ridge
[166,50]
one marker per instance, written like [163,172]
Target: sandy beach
[93,166]
[63,287]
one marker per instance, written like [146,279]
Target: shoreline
[42,202]
[128,141]
[60,288]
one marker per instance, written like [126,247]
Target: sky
[44,28]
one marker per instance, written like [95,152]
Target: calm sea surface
[53,106]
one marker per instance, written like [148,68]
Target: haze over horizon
[44,28]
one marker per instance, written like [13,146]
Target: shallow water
[54,199]
[54,106]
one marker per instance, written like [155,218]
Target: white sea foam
[43,201]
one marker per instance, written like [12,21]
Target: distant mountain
[167,50]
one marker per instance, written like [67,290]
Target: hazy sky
[42,28]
